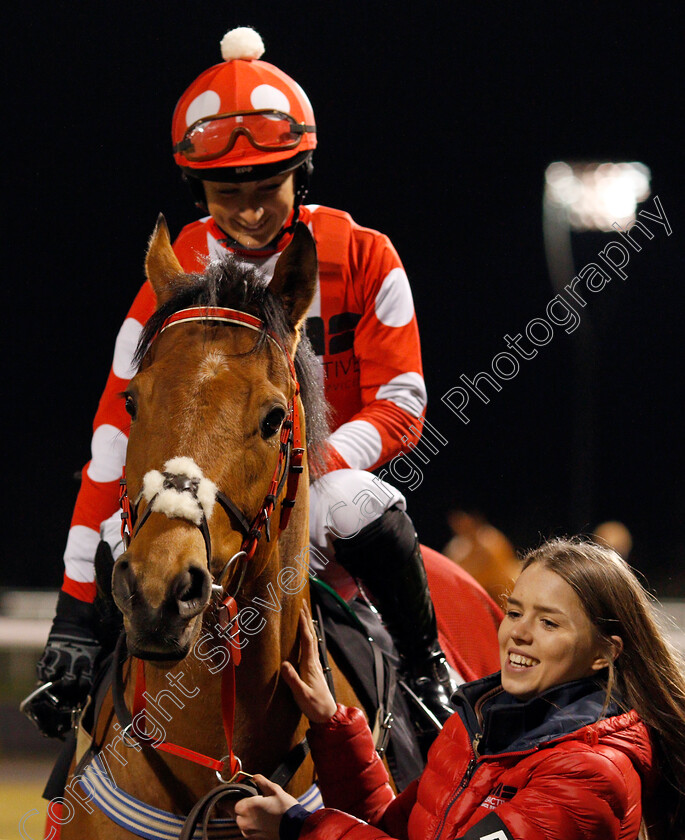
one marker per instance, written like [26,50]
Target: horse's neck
[268,722]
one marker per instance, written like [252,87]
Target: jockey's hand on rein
[68,662]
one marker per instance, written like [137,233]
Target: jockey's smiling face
[546,637]
[251,212]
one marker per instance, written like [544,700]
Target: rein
[286,475]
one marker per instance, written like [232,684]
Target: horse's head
[205,458]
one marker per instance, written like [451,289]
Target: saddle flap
[84,739]
[364,651]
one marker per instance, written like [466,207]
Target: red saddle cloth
[467,616]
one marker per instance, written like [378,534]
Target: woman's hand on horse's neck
[309,687]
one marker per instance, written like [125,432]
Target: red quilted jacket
[565,774]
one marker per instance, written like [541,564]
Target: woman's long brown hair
[648,674]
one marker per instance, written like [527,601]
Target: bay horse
[214,392]
[215,573]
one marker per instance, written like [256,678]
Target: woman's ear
[615,648]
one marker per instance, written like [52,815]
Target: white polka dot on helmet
[240,84]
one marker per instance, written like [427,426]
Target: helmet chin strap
[272,246]
[303,175]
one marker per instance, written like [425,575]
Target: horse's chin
[170,645]
[158,657]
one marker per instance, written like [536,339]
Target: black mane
[230,283]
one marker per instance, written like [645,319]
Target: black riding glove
[68,662]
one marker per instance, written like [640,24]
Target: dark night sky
[433,129]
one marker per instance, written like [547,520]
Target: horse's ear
[161,264]
[294,279]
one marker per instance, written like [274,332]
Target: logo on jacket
[498,796]
[340,333]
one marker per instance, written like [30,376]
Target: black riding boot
[386,557]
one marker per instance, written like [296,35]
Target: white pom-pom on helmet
[242,42]
[243,119]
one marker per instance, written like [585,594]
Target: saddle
[365,652]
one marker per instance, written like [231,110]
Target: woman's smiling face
[546,637]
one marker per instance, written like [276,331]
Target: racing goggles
[266,129]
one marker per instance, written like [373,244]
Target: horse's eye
[271,424]
[130,405]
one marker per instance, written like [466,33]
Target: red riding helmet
[243,119]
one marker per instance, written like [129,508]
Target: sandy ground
[21,785]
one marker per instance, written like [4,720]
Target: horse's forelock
[227,282]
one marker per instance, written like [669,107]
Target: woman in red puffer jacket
[562,744]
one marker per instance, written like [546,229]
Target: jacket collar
[506,724]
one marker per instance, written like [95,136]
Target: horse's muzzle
[160,629]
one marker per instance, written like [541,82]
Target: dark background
[435,126]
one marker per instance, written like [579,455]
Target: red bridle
[291,452]
[287,472]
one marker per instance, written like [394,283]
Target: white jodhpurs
[341,503]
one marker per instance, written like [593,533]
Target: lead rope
[133,724]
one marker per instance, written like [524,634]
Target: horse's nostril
[184,586]
[191,591]
[123,584]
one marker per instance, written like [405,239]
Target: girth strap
[323,650]
[386,695]
[290,764]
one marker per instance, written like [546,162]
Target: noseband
[287,471]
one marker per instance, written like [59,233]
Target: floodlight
[596,195]
[581,197]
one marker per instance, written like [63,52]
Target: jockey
[243,135]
